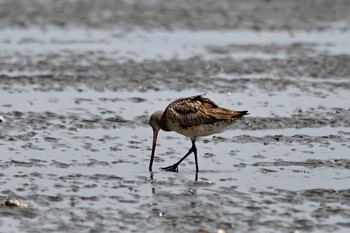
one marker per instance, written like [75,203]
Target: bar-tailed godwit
[192,117]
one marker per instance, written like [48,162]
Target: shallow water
[76,142]
[184,44]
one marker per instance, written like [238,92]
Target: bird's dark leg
[174,167]
[195,155]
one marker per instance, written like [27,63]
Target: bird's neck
[163,124]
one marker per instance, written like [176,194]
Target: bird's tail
[242,113]
[238,114]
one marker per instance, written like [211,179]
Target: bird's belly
[203,130]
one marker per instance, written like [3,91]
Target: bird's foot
[172,168]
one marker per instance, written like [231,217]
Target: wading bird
[192,117]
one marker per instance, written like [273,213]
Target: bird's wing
[197,110]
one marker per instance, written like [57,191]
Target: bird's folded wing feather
[198,110]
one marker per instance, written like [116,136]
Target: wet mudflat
[79,81]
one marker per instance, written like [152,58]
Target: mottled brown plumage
[192,117]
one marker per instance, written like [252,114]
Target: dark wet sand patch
[133,76]
[223,14]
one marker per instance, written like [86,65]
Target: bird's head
[156,121]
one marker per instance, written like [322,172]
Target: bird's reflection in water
[154,182]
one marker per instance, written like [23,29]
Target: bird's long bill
[155,135]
